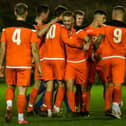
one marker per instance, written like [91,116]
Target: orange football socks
[59,96]
[117,94]
[71,100]
[9,97]
[32,99]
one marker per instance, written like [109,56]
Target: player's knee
[49,85]
[37,84]
[22,90]
[117,84]
[61,84]
[88,88]
[69,85]
[106,86]
[11,86]
[83,88]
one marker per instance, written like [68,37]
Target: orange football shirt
[72,47]
[115,39]
[18,38]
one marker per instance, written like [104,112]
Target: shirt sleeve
[81,34]
[69,40]
[102,30]
[34,37]
[3,37]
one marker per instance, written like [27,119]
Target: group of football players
[66,56]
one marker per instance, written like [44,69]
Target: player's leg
[66,104]
[70,72]
[91,79]
[39,102]
[78,94]
[84,98]
[118,75]
[48,77]
[106,75]
[70,94]
[42,92]
[82,79]
[21,104]
[107,98]
[48,96]
[33,96]
[59,70]
[34,92]
[10,75]
[88,94]
[59,96]
[23,81]
[9,102]
[116,98]
[10,96]
[47,100]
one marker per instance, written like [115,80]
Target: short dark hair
[41,8]
[68,13]
[59,10]
[20,8]
[119,7]
[101,12]
[79,12]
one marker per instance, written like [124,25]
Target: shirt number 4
[16,37]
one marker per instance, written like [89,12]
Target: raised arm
[43,29]
[71,40]
[98,41]
[87,40]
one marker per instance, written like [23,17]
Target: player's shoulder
[20,24]
[58,26]
[116,23]
[87,26]
[59,23]
[80,27]
[35,25]
[80,31]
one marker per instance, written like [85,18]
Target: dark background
[89,6]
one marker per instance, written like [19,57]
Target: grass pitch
[97,117]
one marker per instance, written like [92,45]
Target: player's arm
[43,29]
[98,41]
[97,56]
[100,37]
[71,41]
[87,40]
[87,43]
[35,53]
[2,52]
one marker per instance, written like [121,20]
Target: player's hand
[39,71]
[86,46]
[54,20]
[33,62]
[1,71]
[98,57]
[70,33]
[93,57]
